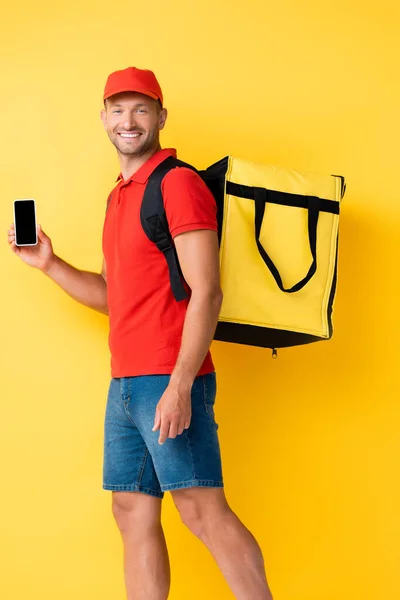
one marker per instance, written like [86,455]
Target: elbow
[213,296]
[219,297]
[217,302]
[217,293]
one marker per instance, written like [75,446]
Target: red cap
[133,80]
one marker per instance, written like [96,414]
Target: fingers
[164,432]
[41,234]
[11,238]
[169,428]
[157,419]
[173,429]
[171,423]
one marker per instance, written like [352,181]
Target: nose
[129,121]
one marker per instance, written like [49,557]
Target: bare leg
[207,514]
[146,562]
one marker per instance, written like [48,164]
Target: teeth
[129,135]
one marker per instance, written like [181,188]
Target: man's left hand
[173,412]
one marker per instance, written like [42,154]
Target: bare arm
[85,287]
[198,254]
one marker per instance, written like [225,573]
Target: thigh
[192,458]
[127,465]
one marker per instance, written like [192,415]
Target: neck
[130,164]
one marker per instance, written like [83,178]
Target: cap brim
[137,90]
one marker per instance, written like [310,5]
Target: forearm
[85,287]
[198,332]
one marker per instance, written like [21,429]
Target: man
[160,431]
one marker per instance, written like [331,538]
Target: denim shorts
[134,461]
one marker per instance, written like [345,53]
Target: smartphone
[25,222]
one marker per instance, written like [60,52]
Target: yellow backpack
[278,232]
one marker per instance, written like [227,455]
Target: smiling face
[133,122]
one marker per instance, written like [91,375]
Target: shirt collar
[144,172]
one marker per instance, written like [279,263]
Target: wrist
[49,265]
[181,381]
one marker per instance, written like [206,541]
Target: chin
[125,151]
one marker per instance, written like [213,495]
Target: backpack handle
[260,199]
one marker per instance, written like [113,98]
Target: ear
[103,117]
[162,118]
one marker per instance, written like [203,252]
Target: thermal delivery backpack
[278,236]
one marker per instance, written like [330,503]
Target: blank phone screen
[25,222]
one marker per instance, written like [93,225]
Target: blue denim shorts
[135,461]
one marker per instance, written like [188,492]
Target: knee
[193,514]
[192,517]
[201,509]
[124,512]
[134,511]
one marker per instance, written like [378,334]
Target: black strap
[163,240]
[158,233]
[155,224]
[282,198]
[260,199]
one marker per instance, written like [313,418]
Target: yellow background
[310,441]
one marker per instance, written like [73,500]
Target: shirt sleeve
[189,204]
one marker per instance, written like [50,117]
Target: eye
[142,110]
[116,110]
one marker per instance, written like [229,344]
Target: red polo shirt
[146,322]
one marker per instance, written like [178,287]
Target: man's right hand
[90,289]
[40,256]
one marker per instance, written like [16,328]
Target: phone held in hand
[25,222]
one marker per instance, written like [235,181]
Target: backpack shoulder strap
[155,224]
